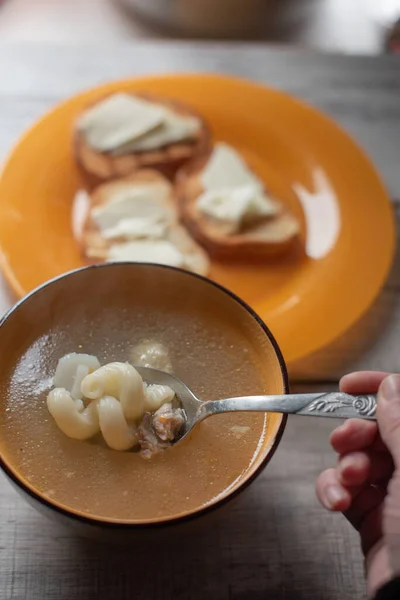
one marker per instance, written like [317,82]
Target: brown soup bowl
[95,308]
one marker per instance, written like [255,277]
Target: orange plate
[308,298]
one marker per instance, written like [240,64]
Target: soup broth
[208,352]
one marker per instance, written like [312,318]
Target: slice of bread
[95,247]
[270,237]
[102,166]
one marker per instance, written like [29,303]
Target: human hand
[365,485]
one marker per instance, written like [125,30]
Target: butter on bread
[227,209]
[101,163]
[150,231]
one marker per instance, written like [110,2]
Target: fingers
[388,413]
[391,522]
[331,493]
[365,514]
[354,469]
[358,468]
[337,488]
[361,504]
[358,485]
[354,434]
[362,382]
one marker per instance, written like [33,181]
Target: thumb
[388,413]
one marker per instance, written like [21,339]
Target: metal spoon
[330,404]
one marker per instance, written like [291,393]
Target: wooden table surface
[275,542]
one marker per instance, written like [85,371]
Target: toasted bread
[95,247]
[270,237]
[103,166]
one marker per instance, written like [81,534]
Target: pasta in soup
[112,400]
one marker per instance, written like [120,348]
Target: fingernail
[334,495]
[390,388]
[344,463]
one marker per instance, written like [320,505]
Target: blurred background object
[393,39]
[348,26]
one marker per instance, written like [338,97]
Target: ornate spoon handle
[332,404]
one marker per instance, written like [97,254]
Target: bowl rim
[180,518]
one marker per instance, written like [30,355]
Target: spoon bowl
[189,402]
